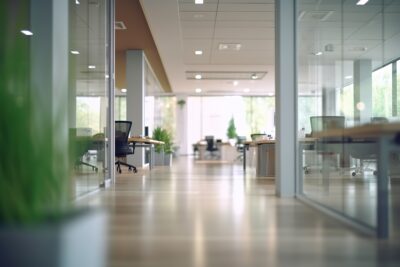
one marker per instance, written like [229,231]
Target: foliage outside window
[382,92]
[308,106]
[346,102]
[120,108]
[88,113]
[256,108]
[165,113]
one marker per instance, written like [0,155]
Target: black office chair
[211,148]
[122,146]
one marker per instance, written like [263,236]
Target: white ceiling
[181,27]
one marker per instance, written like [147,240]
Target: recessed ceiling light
[254,76]
[198,90]
[235,83]
[123,90]
[198,52]
[348,77]
[91,67]
[75,52]
[317,53]
[77,2]
[27,32]
[231,47]
[198,76]
[199,2]
[246,90]
[362,2]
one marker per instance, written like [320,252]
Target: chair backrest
[122,129]
[323,123]
[210,142]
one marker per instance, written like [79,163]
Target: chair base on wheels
[94,168]
[119,163]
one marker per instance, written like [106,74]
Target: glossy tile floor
[211,215]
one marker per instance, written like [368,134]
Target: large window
[165,113]
[398,87]
[259,114]
[120,108]
[88,113]
[307,106]
[382,92]
[210,116]
[347,102]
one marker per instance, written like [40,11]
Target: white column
[362,90]
[286,98]
[135,85]
[182,126]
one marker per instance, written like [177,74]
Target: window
[346,102]
[398,87]
[88,113]
[120,108]
[308,106]
[382,92]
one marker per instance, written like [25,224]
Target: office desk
[386,138]
[265,157]
[226,151]
[146,142]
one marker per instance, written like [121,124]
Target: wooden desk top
[260,142]
[367,130]
[143,140]
[219,143]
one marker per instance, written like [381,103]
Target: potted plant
[181,103]
[231,132]
[168,149]
[159,135]
[39,226]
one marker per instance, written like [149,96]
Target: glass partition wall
[89,92]
[347,58]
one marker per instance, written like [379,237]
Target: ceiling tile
[244,33]
[249,7]
[197,16]
[245,16]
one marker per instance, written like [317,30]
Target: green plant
[168,143]
[231,132]
[181,103]
[34,177]
[161,134]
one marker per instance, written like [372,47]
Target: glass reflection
[348,61]
[88,93]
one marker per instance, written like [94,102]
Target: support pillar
[286,98]
[135,85]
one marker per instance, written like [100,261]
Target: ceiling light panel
[229,47]
[226,75]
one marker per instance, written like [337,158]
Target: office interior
[270,67]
